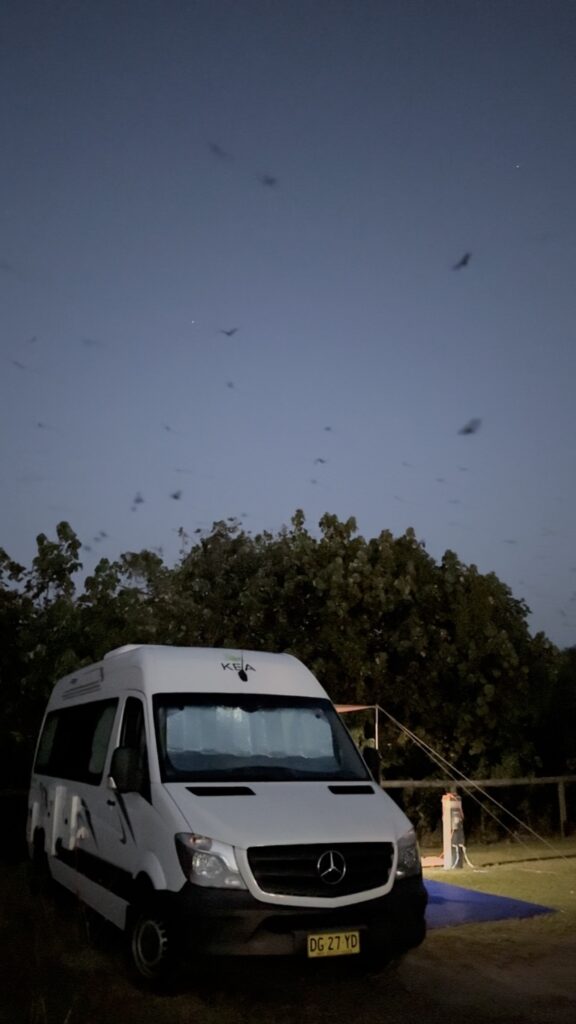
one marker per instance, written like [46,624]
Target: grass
[493,854]
[530,872]
[527,871]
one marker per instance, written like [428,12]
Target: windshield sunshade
[224,737]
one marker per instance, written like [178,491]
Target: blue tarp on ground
[451,904]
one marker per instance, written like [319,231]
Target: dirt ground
[61,967]
[476,985]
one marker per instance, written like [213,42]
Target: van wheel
[153,947]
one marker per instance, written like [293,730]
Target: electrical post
[453,841]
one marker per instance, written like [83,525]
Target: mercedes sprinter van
[212,802]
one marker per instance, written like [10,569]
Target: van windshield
[224,737]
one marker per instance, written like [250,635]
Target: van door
[118,827]
[137,836]
[128,807]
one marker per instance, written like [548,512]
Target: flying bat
[471,427]
[93,343]
[8,268]
[268,179]
[463,261]
[229,333]
[217,150]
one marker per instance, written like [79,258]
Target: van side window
[74,742]
[100,741]
[133,734]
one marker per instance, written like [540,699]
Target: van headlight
[408,856]
[207,862]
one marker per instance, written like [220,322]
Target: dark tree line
[444,648]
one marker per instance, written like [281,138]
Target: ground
[60,966]
[476,987]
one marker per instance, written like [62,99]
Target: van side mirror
[372,759]
[126,775]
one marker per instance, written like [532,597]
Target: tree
[444,648]
[554,720]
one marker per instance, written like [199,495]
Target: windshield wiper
[255,772]
[265,773]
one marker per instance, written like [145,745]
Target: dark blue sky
[136,224]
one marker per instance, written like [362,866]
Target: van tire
[152,946]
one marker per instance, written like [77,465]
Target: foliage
[443,648]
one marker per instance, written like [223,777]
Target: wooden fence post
[562,805]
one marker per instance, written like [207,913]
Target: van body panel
[107,903]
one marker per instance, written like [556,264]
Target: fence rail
[450,784]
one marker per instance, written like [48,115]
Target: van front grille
[322,869]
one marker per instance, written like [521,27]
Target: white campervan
[212,801]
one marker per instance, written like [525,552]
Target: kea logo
[237,664]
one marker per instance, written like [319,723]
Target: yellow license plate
[333,943]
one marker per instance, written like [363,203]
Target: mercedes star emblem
[331,867]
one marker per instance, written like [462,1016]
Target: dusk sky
[306,175]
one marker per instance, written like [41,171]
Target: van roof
[156,668]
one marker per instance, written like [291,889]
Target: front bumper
[230,923]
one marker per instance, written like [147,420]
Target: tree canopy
[446,649]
